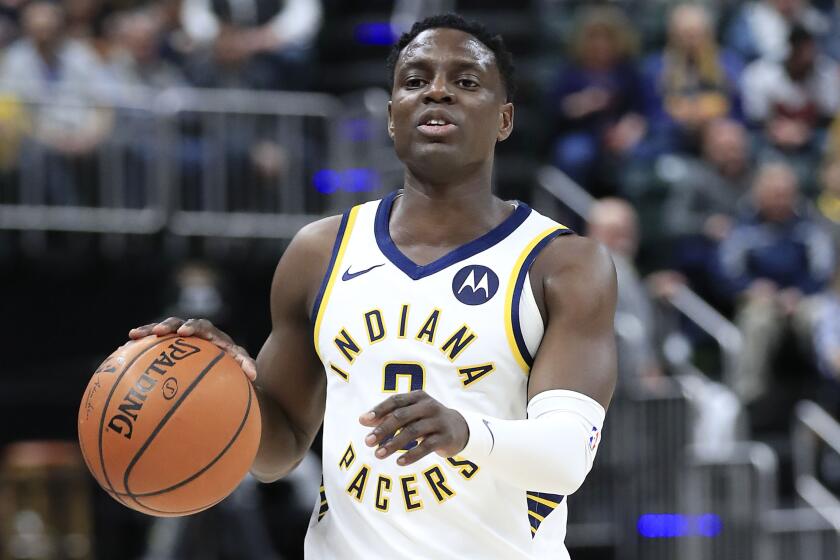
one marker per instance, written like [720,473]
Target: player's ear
[505,122]
[390,122]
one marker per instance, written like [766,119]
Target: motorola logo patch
[475,284]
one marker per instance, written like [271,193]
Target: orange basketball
[169,425]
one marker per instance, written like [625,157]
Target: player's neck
[445,215]
[467,192]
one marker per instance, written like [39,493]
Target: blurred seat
[45,510]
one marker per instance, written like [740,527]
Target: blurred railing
[816,438]
[67,163]
[736,484]
[717,498]
[800,533]
[210,163]
[638,472]
[568,193]
[243,160]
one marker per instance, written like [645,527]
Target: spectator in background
[83,19]
[760,29]
[264,44]
[703,194]
[613,222]
[136,57]
[67,130]
[176,45]
[792,100]
[771,262]
[596,98]
[135,62]
[690,83]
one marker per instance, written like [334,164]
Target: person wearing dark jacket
[596,99]
[774,259]
[264,44]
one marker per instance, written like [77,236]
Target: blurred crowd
[708,133]
[61,63]
[725,140]
[711,139]
[82,44]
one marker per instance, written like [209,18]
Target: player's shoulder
[319,232]
[311,247]
[315,240]
[575,256]
[302,266]
[322,234]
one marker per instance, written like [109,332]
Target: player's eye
[412,83]
[467,83]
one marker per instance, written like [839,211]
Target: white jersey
[464,329]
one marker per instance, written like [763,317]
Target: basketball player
[457,348]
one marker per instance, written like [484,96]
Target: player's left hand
[416,416]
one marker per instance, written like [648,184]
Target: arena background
[161,161]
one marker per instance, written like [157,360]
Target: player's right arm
[291,384]
[287,373]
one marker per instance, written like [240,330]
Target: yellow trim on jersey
[520,359]
[543,501]
[351,220]
[536,516]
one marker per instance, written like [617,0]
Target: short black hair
[494,42]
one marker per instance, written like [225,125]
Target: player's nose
[438,91]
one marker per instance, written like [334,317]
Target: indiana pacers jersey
[464,329]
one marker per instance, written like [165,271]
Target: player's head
[452,86]
[495,43]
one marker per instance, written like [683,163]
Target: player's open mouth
[436,127]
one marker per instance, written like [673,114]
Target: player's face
[447,108]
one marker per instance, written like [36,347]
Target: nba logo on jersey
[475,284]
[595,438]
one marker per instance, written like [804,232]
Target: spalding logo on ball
[169,425]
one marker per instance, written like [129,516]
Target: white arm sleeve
[551,451]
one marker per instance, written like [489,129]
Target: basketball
[169,425]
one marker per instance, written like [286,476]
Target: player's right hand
[201,328]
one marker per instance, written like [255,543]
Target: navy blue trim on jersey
[538,506]
[323,505]
[415,271]
[341,228]
[517,293]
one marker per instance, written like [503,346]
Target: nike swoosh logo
[350,275]
[492,437]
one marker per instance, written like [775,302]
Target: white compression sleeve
[551,451]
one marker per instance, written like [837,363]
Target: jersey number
[417,381]
[395,370]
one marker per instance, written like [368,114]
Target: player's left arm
[571,384]
[578,349]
